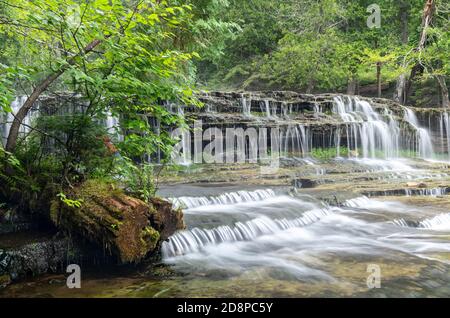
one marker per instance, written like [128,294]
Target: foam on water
[223,199]
[440,222]
[191,241]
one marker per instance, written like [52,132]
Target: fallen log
[127,227]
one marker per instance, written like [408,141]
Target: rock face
[35,258]
[127,228]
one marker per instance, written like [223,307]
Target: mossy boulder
[124,226]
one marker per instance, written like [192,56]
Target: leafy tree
[124,58]
[117,54]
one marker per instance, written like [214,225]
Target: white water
[445,133]
[423,140]
[369,133]
[226,198]
[427,192]
[438,223]
[111,123]
[9,118]
[193,240]
[366,129]
[295,139]
[246,106]
[300,238]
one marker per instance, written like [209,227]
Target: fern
[70,203]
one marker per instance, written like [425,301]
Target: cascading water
[366,129]
[424,145]
[246,106]
[439,223]
[193,240]
[265,108]
[299,239]
[286,109]
[243,243]
[226,198]
[295,140]
[444,125]
[111,122]
[9,118]
[378,134]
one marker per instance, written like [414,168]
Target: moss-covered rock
[122,225]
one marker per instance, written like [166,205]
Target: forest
[91,90]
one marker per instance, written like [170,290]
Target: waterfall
[370,131]
[265,108]
[439,223]
[224,199]
[426,192]
[357,202]
[9,118]
[286,109]
[445,133]
[274,109]
[191,241]
[317,109]
[373,132]
[366,129]
[111,122]
[112,125]
[246,106]
[295,139]
[423,139]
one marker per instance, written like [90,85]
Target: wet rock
[55,281]
[36,258]
[304,183]
[421,185]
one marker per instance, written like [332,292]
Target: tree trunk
[23,111]
[426,21]
[444,91]
[399,93]
[352,85]
[400,90]
[416,70]
[427,17]
[310,87]
[126,227]
[379,78]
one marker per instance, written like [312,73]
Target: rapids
[313,227]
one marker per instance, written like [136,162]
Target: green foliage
[14,177]
[317,46]
[329,153]
[70,203]
[138,179]
[124,57]
[70,151]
